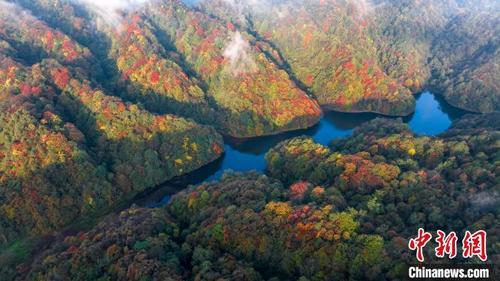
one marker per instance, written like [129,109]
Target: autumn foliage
[93,114]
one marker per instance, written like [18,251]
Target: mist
[485,200]
[237,52]
[12,11]
[110,10]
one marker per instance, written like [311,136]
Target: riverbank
[432,116]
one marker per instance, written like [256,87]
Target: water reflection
[248,155]
[432,116]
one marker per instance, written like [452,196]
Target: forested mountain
[67,148]
[369,55]
[472,65]
[101,101]
[323,213]
[326,46]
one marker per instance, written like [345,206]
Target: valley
[243,140]
[432,116]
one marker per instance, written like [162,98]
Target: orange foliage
[308,37]
[299,189]
[217,148]
[61,77]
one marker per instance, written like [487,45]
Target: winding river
[432,116]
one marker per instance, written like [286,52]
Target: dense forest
[100,103]
[371,55]
[322,213]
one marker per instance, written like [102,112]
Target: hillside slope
[368,55]
[68,150]
[330,213]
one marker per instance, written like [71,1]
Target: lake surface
[432,116]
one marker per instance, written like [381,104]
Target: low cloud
[239,7]
[242,5]
[13,11]
[364,7]
[237,52]
[6,9]
[248,3]
[110,11]
[485,200]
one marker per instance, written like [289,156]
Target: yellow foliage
[185,145]
[10,212]
[134,108]
[61,156]
[350,168]
[321,150]
[191,202]
[16,152]
[408,83]
[90,200]
[327,209]
[279,208]
[194,147]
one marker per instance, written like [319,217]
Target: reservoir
[432,116]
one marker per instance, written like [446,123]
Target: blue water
[432,116]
